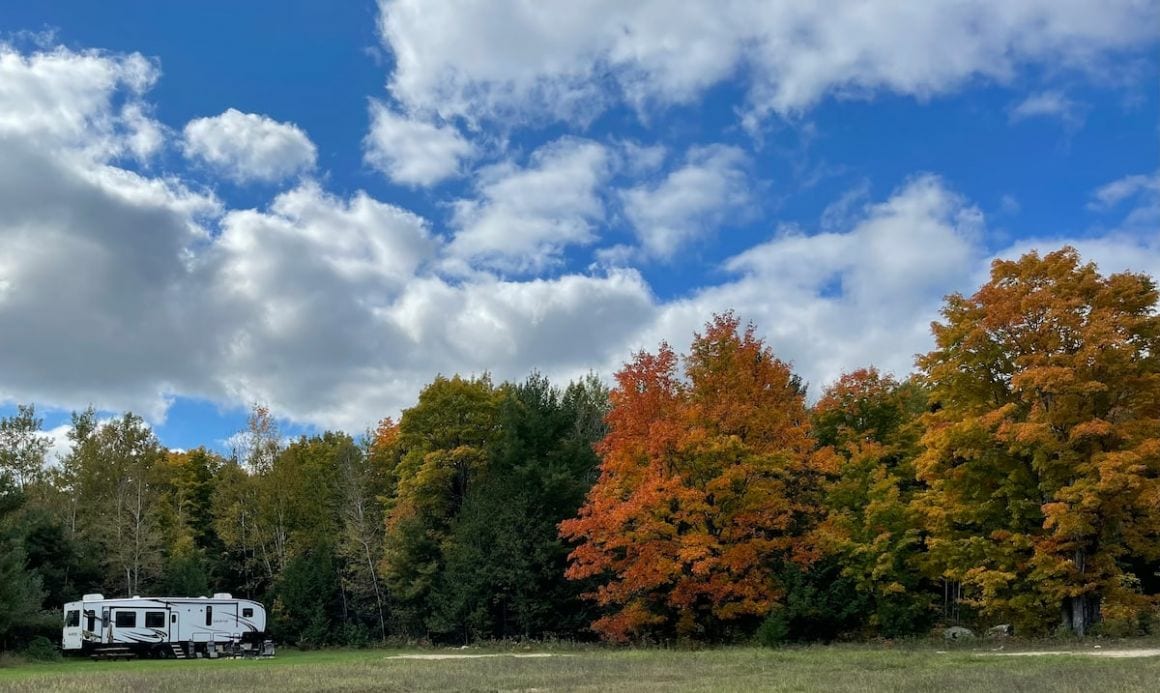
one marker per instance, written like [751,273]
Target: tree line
[1014,477]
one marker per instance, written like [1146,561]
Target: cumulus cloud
[93,269]
[296,290]
[122,290]
[339,346]
[863,290]
[125,289]
[411,151]
[93,257]
[522,218]
[249,147]
[570,61]
[864,293]
[690,202]
[88,100]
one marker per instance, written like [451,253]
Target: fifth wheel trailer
[178,627]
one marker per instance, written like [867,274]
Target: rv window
[91,621]
[154,619]
[247,613]
[72,619]
[126,619]
[209,615]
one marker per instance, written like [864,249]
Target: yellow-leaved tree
[1042,454]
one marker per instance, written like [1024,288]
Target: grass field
[839,668]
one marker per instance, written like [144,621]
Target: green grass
[838,668]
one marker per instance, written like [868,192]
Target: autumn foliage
[704,488]
[1014,477]
[1043,457]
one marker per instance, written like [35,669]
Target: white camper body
[165,626]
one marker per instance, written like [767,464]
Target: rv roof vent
[223,595]
[94,597]
[136,596]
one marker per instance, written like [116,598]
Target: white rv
[177,627]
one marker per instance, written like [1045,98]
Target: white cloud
[1049,104]
[144,136]
[126,289]
[561,326]
[522,218]
[1128,242]
[65,99]
[95,261]
[841,299]
[249,147]
[59,444]
[1133,241]
[295,291]
[1112,194]
[413,152]
[638,159]
[844,211]
[113,294]
[691,202]
[93,257]
[866,292]
[570,61]
[1115,251]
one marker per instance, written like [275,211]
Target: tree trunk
[378,593]
[1081,613]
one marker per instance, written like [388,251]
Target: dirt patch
[1155,652]
[464,655]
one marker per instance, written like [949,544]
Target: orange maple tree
[705,486]
[1043,457]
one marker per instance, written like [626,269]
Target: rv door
[71,638]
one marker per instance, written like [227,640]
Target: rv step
[177,649]
[112,653]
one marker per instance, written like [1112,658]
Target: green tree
[306,598]
[66,570]
[443,446]
[866,424]
[504,574]
[20,588]
[361,488]
[234,510]
[23,447]
[193,548]
[114,470]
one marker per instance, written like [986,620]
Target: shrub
[774,630]
[41,649]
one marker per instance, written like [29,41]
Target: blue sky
[320,206]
